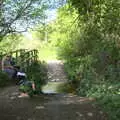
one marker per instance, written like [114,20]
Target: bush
[37,72]
[66,88]
[4,79]
[92,54]
[111,104]
[105,86]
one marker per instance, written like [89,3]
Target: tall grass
[48,52]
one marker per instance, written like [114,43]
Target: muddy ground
[52,106]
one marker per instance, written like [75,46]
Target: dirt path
[56,71]
[47,106]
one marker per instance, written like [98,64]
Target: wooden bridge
[22,57]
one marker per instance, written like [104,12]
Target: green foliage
[37,72]
[4,79]
[66,88]
[47,52]
[90,48]
[103,86]
[111,104]
[57,29]
[17,16]
[39,33]
[6,46]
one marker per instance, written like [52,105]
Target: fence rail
[23,57]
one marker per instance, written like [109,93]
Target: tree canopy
[19,15]
[87,35]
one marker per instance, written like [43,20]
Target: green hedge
[4,79]
[37,72]
[103,86]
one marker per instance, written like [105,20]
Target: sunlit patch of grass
[66,88]
[58,87]
[52,87]
[48,53]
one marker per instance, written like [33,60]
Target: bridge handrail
[23,57]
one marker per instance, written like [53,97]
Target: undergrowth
[4,79]
[37,72]
[104,86]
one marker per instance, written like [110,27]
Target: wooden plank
[23,57]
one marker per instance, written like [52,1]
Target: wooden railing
[22,57]
[26,59]
[14,54]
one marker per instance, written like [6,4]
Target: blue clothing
[10,72]
[7,67]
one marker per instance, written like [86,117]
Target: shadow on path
[47,106]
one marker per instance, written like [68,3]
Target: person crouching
[26,87]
